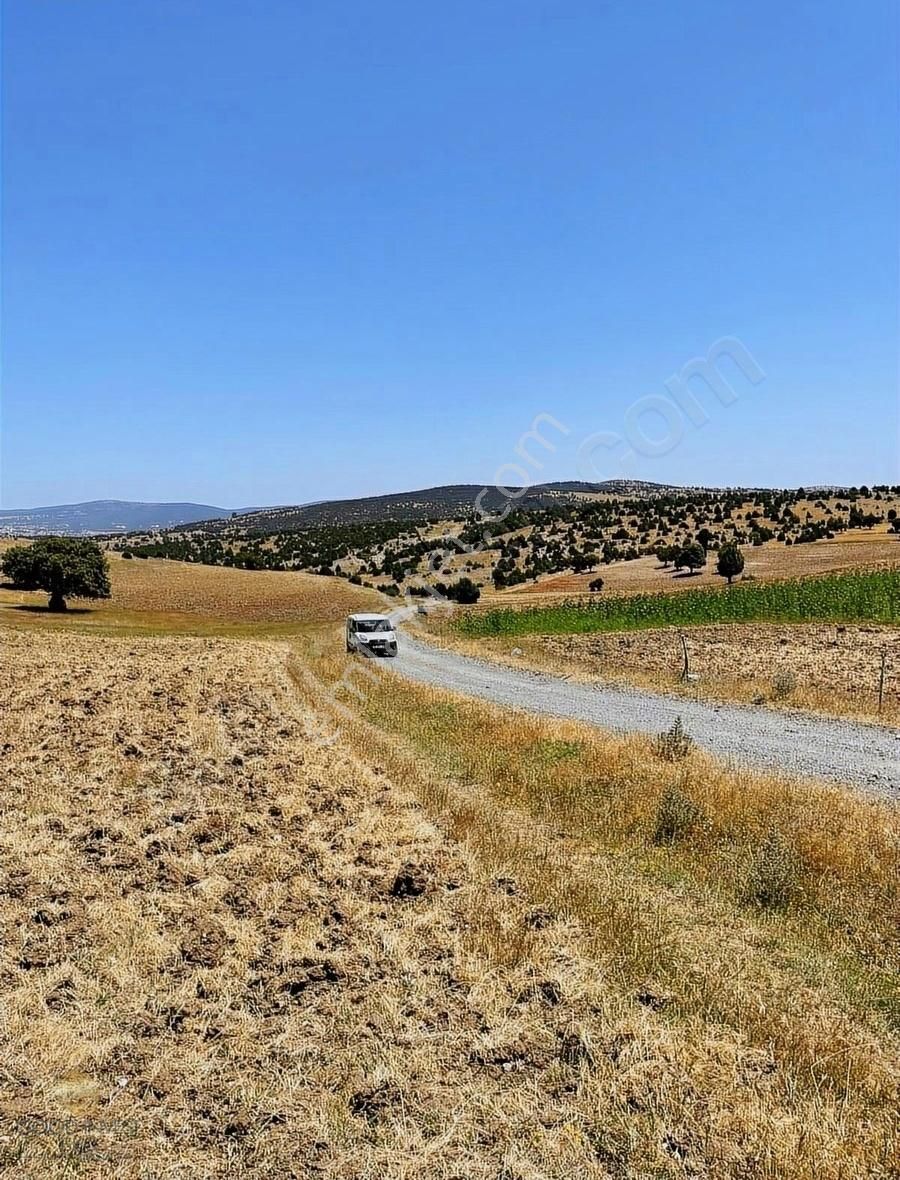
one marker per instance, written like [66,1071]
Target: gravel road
[799,743]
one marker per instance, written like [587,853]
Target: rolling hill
[445,502]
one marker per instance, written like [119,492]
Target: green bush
[692,557]
[730,562]
[463,591]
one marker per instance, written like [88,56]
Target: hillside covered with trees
[517,543]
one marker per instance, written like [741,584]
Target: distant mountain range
[102,516]
[445,502]
[453,500]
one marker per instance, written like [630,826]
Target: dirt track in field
[797,743]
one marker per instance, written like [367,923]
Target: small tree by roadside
[731,562]
[63,567]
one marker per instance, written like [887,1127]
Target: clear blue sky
[282,251]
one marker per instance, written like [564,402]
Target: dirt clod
[411,881]
[377,1102]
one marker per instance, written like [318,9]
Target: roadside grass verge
[739,909]
[818,861]
[734,904]
[859,596]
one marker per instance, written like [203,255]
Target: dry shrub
[775,873]
[674,744]
[677,816]
[784,684]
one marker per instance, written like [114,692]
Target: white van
[373,635]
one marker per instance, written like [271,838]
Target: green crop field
[861,596]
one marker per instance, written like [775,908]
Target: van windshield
[369,625]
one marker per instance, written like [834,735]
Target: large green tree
[63,567]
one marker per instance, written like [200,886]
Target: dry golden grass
[612,785]
[766,562]
[155,596]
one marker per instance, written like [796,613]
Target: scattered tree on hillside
[463,591]
[596,585]
[731,562]
[691,557]
[582,562]
[534,540]
[63,567]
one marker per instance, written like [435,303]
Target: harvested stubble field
[231,950]
[248,933]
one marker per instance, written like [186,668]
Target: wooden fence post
[685,671]
[881,680]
